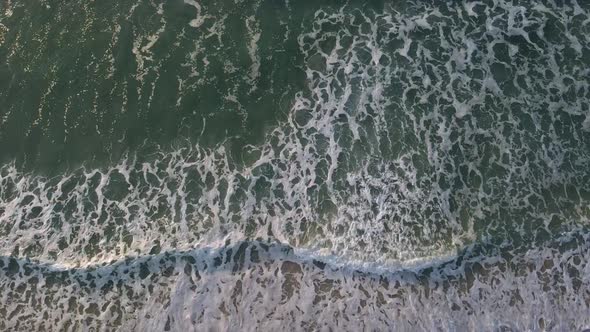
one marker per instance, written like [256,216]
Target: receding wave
[224,287]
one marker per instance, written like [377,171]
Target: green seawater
[304,165]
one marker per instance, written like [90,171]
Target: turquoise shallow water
[326,165]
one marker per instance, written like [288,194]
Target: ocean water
[190,165]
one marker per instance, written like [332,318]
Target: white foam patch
[253,31]
[3,31]
[200,19]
